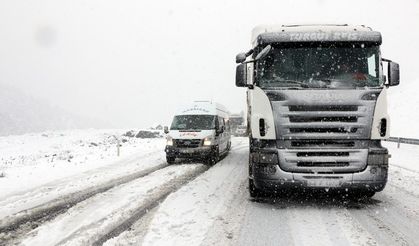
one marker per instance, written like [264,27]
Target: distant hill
[20,113]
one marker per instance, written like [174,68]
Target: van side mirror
[166,129]
[241,75]
[393,73]
[219,130]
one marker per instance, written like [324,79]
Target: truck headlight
[207,142]
[169,142]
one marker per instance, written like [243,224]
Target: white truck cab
[317,107]
[200,130]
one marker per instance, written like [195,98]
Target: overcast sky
[130,63]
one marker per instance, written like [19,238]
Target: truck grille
[323,160]
[322,143]
[322,119]
[187,143]
[322,164]
[322,131]
[308,120]
[323,108]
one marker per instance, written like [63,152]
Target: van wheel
[214,158]
[229,146]
[170,160]
[253,191]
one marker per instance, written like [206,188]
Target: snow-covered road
[389,218]
[215,209]
[189,204]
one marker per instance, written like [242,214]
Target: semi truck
[317,108]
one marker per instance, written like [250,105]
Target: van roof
[203,108]
[313,32]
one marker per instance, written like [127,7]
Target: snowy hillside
[20,113]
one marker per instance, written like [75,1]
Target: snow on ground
[407,156]
[404,167]
[32,160]
[84,223]
[186,215]
[35,176]
[212,209]
[215,209]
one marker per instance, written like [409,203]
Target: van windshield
[193,122]
[320,65]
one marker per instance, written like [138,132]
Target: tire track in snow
[186,217]
[13,206]
[22,222]
[105,215]
[393,220]
[143,210]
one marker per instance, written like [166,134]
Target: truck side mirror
[393,73]
[166,129]
[241,57]
[241,75]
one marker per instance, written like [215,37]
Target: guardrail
[399,140]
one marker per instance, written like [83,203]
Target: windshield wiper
[285,83]
[295,82]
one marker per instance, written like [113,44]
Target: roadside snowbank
[407,156]
[32,160]
[404,167]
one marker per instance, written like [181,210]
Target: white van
[201,131]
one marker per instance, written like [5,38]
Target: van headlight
[169,142]
[207,141]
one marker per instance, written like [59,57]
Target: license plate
[323,183]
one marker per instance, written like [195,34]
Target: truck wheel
[360,195]
[170,160]
[368,193]
[253,191]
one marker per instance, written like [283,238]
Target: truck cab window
[320,66]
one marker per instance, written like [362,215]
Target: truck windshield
[320,65]
[193,122]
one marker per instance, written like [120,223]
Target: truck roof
[265,34]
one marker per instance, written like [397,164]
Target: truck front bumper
[267,176]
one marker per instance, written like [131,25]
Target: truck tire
[362,194]
[170,160]
[253,191]
[368,193]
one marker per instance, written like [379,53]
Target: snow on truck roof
[265,34]
[203,108]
